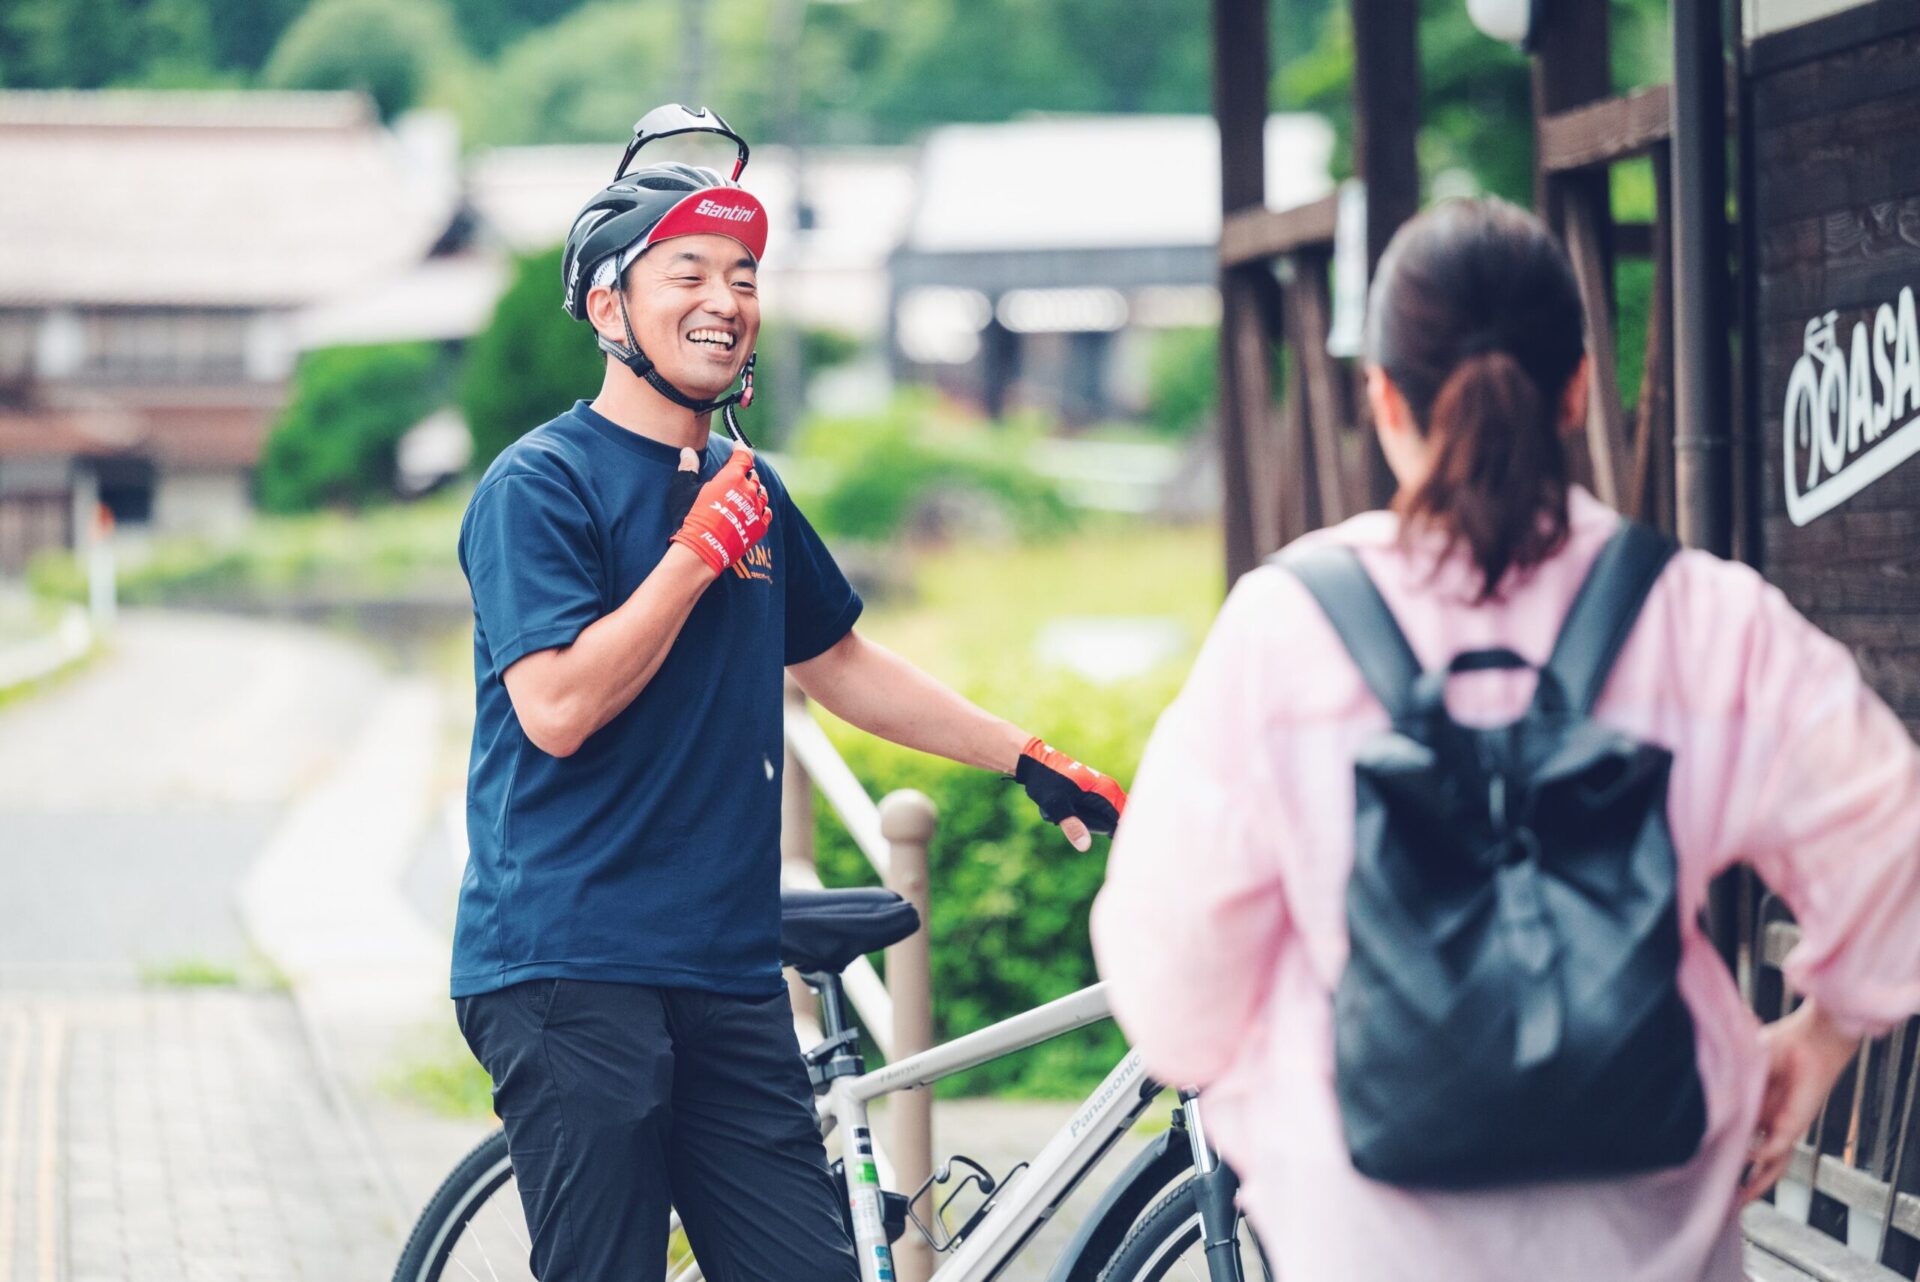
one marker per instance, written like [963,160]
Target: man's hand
[1078,798]
[1805,1056]
[729,515]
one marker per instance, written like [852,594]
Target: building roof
[834,273]
[446,298]
[213,199]
[1097,182]
[860,195]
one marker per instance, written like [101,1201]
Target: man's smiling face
[695,306]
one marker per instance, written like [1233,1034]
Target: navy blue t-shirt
[651,855]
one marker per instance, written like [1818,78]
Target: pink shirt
[1222,928]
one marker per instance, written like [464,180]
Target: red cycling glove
[1064,789]
[729,515]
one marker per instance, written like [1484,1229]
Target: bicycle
[1172,1207]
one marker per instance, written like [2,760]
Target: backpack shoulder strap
[1337,580]
[1605,609]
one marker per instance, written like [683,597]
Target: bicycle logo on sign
[1838,429]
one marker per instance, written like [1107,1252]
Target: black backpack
[1510,1010]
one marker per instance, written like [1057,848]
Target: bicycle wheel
[1166,1243]
[473,1225]
[473,1228]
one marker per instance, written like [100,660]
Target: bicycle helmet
[651,204]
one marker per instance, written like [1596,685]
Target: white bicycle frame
[1024,1200]
[1027,1197]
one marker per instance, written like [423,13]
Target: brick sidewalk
[176,1137]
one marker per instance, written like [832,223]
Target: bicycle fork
[1215,1186]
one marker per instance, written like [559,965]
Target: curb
[36,660]
[323,902]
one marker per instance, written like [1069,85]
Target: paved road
[176,1137]
[133,796]
[153,1133]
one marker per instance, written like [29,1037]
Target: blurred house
[1042,255]
[827,254]
[155,249]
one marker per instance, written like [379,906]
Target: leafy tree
[878,472]
[1475,98]
[529,363]
[490,25]
[1183,368]
[579,79]
[246,31]
[88,44]
[68,44]
[335,442]
[387,48]
[588,76]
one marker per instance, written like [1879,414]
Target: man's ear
[603,313]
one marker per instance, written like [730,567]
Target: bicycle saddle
[824,930]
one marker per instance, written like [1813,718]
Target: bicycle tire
[1170,1231]
[473,1180]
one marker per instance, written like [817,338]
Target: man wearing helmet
[639,584]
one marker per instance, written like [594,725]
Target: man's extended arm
[868,686]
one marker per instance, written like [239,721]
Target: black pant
[620,1099]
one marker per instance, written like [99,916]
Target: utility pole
[790,355]
[693,51]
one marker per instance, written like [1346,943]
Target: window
[173,345]
[16,345]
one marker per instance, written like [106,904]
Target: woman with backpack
[1422,917]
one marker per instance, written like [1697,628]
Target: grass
[190,972]
[976,605]
[440,1075]
[257,973]
[383,552]
[10,695]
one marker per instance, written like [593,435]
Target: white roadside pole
[102,593]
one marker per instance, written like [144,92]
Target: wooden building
[156,249]
[1777,422]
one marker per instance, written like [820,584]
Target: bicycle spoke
[512,1232]
[486,1258]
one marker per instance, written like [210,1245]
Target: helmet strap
[636,360]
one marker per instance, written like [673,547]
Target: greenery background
[525,71]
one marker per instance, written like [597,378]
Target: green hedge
[531,362]
[866,477]
[336,441]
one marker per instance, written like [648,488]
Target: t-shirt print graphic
[755,564]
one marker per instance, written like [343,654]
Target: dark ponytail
[1476,319]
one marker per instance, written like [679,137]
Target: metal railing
[1849,1204]
[898,1014]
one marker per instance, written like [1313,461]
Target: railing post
[907,822]
[796,847]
